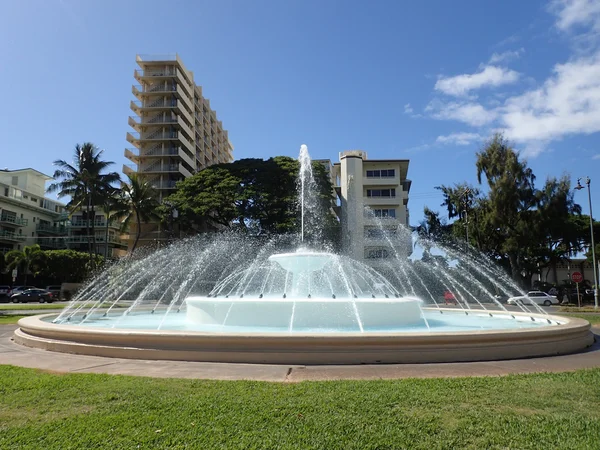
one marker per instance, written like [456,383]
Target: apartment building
[373,197]
[175,133]
[27,217]
[108,240]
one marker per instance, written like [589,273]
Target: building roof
[47,177]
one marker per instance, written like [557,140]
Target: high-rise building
[177,133]
[373,195]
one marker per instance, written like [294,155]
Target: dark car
[54,290]
[32,295]
[19,289]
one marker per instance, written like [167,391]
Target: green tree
[67,266]
[85,183]
[259,197]
[25,260]
[518,225]
[138,201]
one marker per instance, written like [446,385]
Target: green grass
[73,411]
[594,319]
[5,320]
[25,306]
[575,308]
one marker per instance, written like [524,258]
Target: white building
[27,217]
[373,197]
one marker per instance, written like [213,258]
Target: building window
[385,213]
[6,192]
[383,173]
[390,193]
[14,181]
[378,253]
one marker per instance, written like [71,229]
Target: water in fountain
[230,282]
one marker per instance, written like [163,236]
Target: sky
[428,81]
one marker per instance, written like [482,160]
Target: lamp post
[595,268]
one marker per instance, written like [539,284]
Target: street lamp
[595,268]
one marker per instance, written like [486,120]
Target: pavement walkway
[17,355]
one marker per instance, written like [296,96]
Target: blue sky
[427,80]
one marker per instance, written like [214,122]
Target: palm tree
[24,259]
[85,183]
[115,208]
[142,201]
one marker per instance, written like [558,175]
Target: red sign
[577,277]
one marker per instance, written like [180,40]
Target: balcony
[97,224]
[11,236]
[163,184]
[132,154]
[129,169]
[48,228]
[153,89]
[159,168]
[9,219]
[51,243]
[378,201]
[159,135]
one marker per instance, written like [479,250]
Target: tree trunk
[106,239]
[94,235]
[88,230]
[138,230]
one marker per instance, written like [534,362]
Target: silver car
[534,298]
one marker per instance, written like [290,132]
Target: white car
[534,297]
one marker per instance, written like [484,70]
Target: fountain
[234,298]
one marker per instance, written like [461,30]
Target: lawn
[25,306]
[53,411]
[594,319]
[4,320]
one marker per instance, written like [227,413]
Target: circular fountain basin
[532,335]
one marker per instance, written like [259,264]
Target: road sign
[14,273]
[577,277]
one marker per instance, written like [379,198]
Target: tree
[67,266]
[85,183]
[252,195]
[25,260]
[139,202]
[518,225]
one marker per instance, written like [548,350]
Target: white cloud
[571,13]
[408,109]
[596,156]
[504,57]
[567,103]
[490,76]
[458,138]
[470,113]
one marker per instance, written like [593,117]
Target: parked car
[532,298]
[55,291]
[19,289]
[32,295]
[4,290]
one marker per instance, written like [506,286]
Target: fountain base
[570,336]
[305,313]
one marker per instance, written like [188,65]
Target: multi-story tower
[374,202]
[176,131]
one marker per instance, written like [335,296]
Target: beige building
[175,131]
[27,217]
[373,197]
[108,239]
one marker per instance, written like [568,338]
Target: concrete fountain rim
[571,336]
